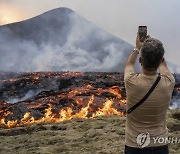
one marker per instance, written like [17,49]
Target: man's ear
[162,60]
[140,60]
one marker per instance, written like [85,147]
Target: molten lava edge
[48,97]
[59,96]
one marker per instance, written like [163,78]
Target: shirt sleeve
[169,78]
[129,72]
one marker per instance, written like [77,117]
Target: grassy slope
[100,135]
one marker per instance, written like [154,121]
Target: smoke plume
[60,40]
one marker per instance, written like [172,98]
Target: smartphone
[142,30]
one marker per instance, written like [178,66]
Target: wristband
[136,50]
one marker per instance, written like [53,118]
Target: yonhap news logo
[144,139]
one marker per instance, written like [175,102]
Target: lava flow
[28,98]
[45,97]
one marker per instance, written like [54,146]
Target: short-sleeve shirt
[149,117]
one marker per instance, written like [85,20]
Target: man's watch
[136,50]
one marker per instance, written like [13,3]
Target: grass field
[103,135]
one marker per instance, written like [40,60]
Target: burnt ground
[34,93]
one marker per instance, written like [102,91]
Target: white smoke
[173,67]
[86,48]
[28,95]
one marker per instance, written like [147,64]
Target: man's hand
[139,43]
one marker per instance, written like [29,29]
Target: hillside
[60,40]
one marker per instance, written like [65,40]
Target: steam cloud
[60,40]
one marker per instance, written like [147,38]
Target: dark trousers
[147,150]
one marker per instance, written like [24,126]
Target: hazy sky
[119,17]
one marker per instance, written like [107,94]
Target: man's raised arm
[129,68]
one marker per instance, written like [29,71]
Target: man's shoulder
[168,74]
[132,77]
[168,78]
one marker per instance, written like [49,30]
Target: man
[148,121]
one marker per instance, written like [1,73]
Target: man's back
[150,117]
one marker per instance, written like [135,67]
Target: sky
[118,17]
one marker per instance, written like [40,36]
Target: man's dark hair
[152,52]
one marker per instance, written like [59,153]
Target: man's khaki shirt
[149,117]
